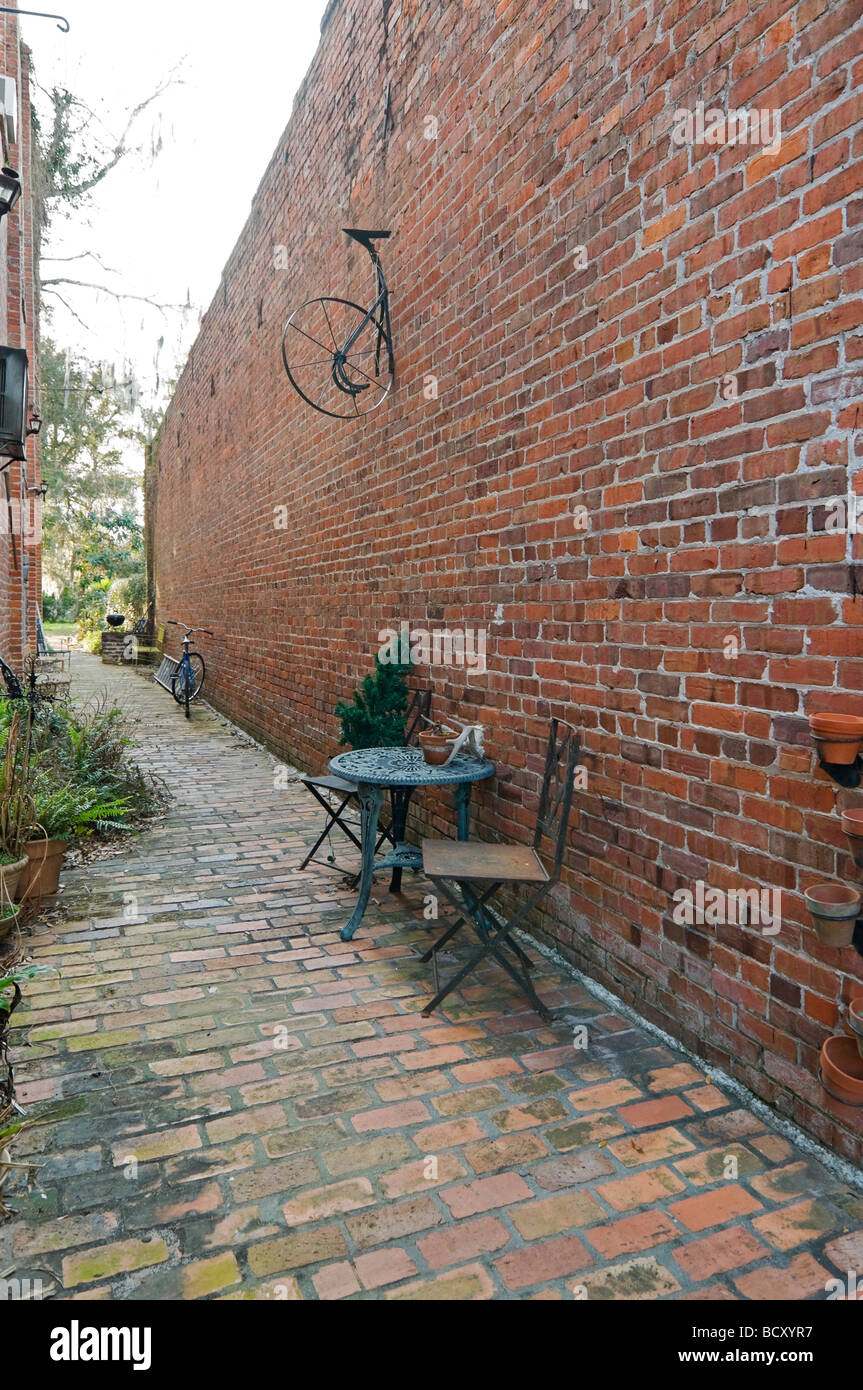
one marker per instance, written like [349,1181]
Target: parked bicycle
[184,678]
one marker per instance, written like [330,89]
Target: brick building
[628,352]
[20,505]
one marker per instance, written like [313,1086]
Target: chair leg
[457,925]
[493,941]
[494,925]
[334,817]
[521,978]
[319,841]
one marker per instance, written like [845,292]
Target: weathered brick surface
[148,1187]
[20,329]
[707,607]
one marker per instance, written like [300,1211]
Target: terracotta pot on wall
[852,824]
[834,910]
[855,1022]
[842,1070]
[837,736]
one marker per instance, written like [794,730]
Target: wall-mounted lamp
[37,490]
[10,190]
[35,426]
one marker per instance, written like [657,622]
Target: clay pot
[837,736]
[852,824]
[855,1022]
[7,927]
[842,1071]
[10,875]
[834,909]
[436,748]
[41,877]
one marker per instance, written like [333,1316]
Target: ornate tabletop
[406,767]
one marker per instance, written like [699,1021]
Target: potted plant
[376,718]
[436,743]
[834,909]
[11,867]
[10,914]
[16,807]
[50,832]
[62,812]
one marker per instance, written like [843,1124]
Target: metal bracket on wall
[62,25]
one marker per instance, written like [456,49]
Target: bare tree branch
[115,294]
[83,255]
[67,305]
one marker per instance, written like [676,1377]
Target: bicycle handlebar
[206,631]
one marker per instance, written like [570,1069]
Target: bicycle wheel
[199,671]
[342,385]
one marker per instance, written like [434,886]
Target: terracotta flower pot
[436,748]
[10,875]
[41,877]
[855,1022]
[837,736]
[7,927]
[842,1071]
[834,909]
[852,824]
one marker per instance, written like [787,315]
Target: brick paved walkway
[234,1104]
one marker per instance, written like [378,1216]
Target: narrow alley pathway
[232,1103]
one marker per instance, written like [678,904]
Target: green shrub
[84,779]
[91,614]
[376,719]
[129,595]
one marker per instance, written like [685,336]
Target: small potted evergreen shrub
[376,717]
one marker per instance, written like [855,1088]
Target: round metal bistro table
[399,771]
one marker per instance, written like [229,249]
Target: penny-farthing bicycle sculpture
[339,356]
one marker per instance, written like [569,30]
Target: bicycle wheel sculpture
[339,356]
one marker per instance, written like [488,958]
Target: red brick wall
[18,272]
[563,387]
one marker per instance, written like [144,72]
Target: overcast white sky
[167,228]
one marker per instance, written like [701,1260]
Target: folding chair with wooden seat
[335,794]
[479,871]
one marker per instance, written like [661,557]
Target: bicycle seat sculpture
[339,356]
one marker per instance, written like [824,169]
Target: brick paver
[231,1103]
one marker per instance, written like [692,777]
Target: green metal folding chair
[335,795]
[469,874]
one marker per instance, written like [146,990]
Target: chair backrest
[555,802]
[419,708]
